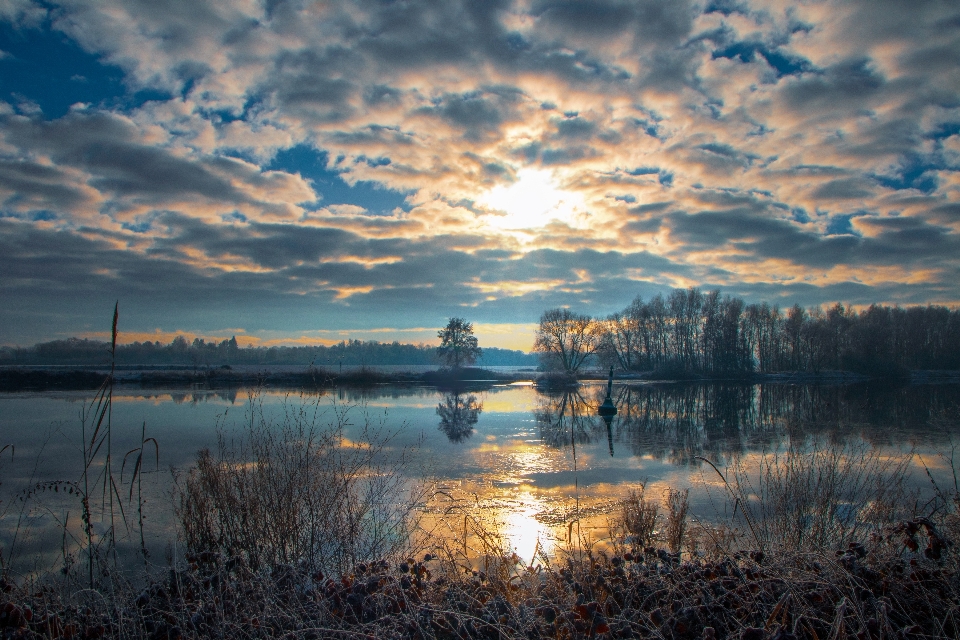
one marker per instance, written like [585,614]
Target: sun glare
[526,534]
[532,201]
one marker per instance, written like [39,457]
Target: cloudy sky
[308,171]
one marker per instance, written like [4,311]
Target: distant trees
[183,351]
[687,332]
[458,345]
[565,340]
[691,332]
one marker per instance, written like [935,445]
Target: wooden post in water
[608,410]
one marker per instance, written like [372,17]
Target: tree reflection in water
[458,414]
[678,422]
[568,417]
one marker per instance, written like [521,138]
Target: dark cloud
[895,20]
[477,113]
[671,70]
[314,84]
[813,170]
[936,58]
[270,246]
[421,33]
[910,243]
[783,63]
[575,128]
[905,239]
[567,154]
[594,17]
[649,20]
[848,84]
[114,159]
[109,148]
[651,207]
[30,185]
[895,136]
[380,94]
[372,135]
[720,158]
[843,189]
[299,291]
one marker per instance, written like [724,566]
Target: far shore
[80,377]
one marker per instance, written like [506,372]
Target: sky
[305,172]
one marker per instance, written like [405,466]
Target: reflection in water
[608,420]
[677,423]
[197,396]
[523,473]
[566,418]
[458,413]
[524,532]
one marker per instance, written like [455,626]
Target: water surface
[531,462]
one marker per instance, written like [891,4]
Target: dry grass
[638,517]
[678,505]
[879,589]
[812,498]
[299,491]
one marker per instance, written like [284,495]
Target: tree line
[690,332]
[202,353]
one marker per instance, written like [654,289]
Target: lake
[529,462]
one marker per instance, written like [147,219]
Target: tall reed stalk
[99,414]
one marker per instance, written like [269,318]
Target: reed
[96,494]
[307,489]
[813,497]
[638,518]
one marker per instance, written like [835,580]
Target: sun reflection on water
[523,532]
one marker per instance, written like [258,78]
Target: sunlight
[532,201]
[524,532]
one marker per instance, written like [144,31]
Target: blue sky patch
[840,225]
[45,67]
[746,52]
[912,174]
[312,164]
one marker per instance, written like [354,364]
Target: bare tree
[624,336]
[565,340]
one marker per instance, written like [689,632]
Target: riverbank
[59,378]
[885,588]
[40,378]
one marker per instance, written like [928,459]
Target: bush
[298,492]
[556,380]
[821,498]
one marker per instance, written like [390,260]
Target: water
[528,462]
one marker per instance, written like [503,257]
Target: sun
[532,201]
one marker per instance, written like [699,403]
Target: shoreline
[86,377]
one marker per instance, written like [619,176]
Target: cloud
[845,189]
[331,159]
